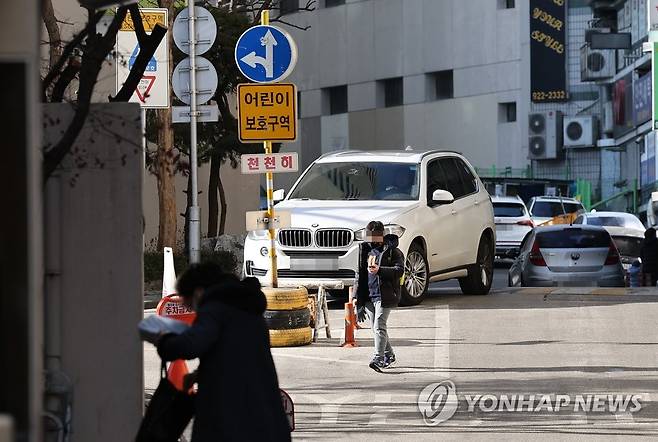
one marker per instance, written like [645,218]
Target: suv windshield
[359,181]
[549,209]
[508,210]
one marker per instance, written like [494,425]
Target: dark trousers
[650,279]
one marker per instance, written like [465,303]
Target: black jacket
[390,272]
[238,396]
[649,255]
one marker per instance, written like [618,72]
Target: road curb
[586,291]
[151,299]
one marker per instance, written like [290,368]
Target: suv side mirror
[278,195]
[442,197]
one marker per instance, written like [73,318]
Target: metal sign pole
[194,222]
[269,177]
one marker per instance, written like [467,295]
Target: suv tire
[416,277]
[480,275]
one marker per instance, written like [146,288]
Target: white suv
[432,200]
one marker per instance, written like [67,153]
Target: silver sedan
[567,256]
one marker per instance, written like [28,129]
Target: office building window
[288,6]
[442,85]
[506,4]
[331,3]
[392,92]
[507,112]
[336,99]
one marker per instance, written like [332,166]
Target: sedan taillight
[535,256]
[613,255]
[527,223]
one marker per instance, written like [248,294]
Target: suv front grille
[337,274]
[333,238]
[295,238]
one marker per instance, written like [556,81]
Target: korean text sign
[275,162]
[267,112]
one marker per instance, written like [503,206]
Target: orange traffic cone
[350,325]
[176,372]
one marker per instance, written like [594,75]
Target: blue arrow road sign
[265,54]
[152,65]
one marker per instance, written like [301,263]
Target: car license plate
[313,264]
[503,227]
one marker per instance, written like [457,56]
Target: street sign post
[265,54]
[654,83]
[195,82]
[267,112]
[153,89]
[273,162]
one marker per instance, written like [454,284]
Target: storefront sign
[548,72]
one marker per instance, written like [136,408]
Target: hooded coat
[391,269]
[238,396]
[649,252]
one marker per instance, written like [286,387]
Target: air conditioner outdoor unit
[580,131]
[545,135]
[596,64]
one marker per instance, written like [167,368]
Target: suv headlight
[395,229]
[258,235]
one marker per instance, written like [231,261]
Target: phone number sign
[273,162]
[267,112]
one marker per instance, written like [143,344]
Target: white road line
[316,358]
[442,337]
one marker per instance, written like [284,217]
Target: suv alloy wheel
[416,277]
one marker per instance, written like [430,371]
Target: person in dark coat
[649,255]
[377,288]
[238,396]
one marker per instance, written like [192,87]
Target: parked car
[627,232]
[433,201]
[513,223]
[610,219]
[545,208]
[564,255]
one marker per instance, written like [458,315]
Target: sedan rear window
[508,210]
[573,239]
[611,221]
[549,209]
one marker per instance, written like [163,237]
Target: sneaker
[377,364]
[389,360]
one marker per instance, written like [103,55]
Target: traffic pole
[269,178]
[194,212]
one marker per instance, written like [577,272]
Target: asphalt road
[511,342]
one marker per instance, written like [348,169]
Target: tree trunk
[165,158]
[222,199]
[166,181]
[213,206]
[188,204]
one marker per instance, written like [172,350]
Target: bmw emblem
[315,226]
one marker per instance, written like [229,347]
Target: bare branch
[52,27]
[64,79]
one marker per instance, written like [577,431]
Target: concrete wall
[21,260]
[95,297]
[367,40]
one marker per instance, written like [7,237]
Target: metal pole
[144,134]
[194,214]
[269,177]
